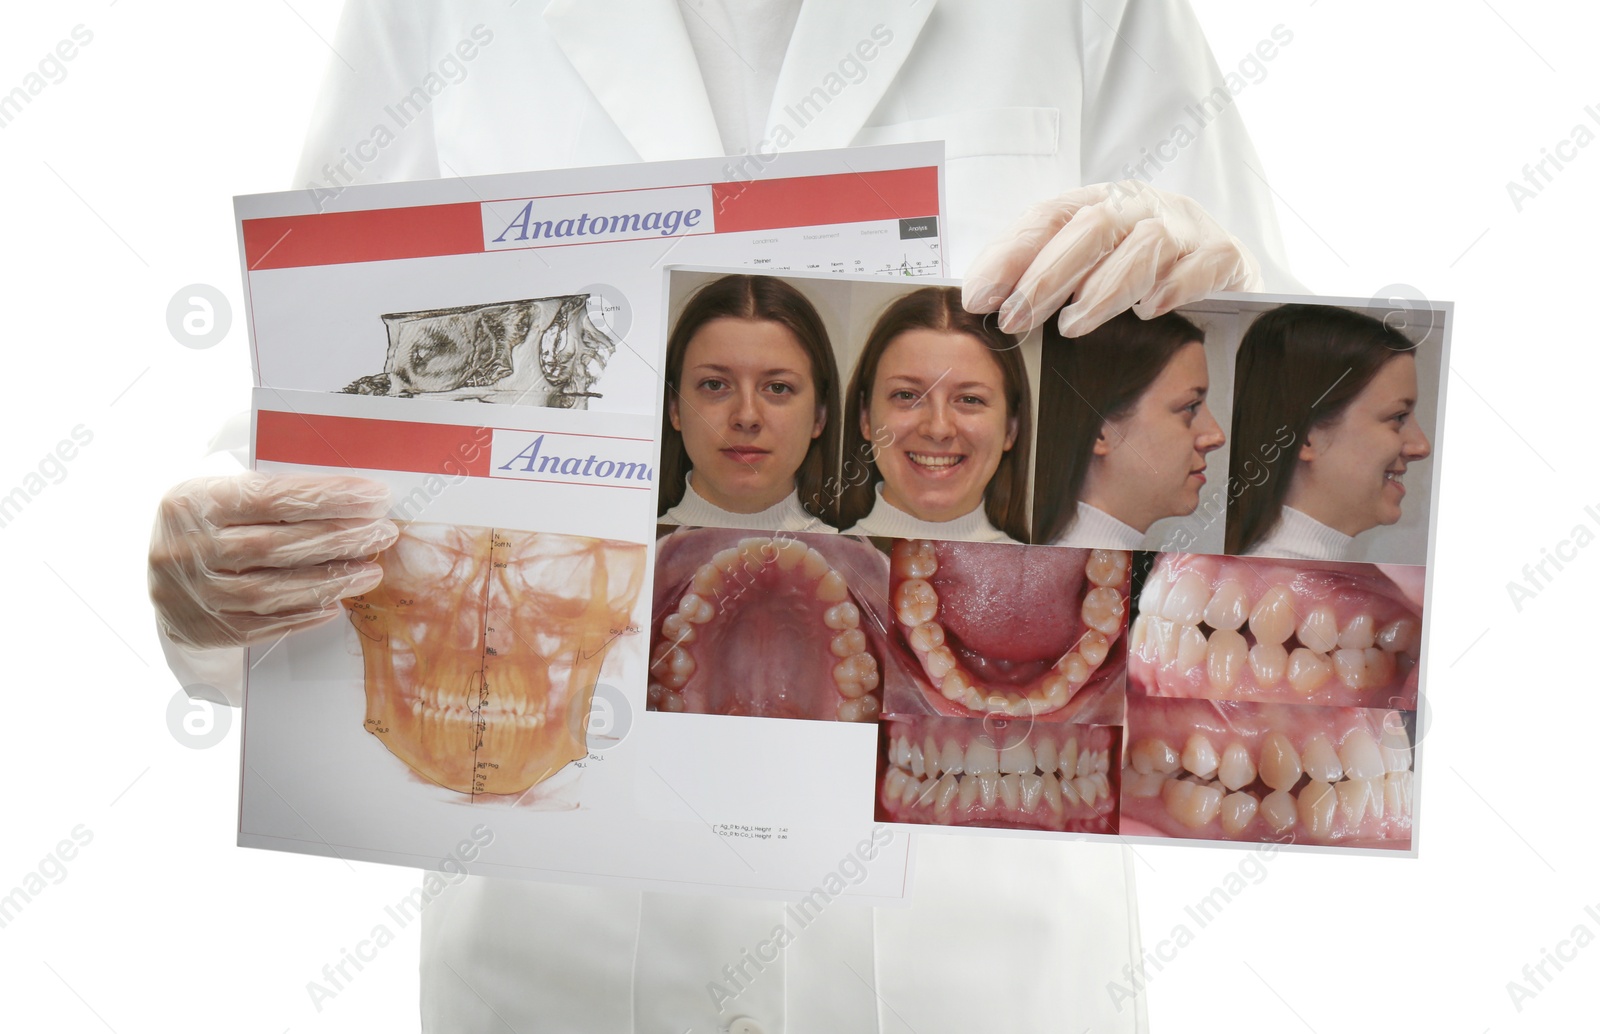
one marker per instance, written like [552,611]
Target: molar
[927,637]
[915,602]
[842,616]
[707,581]
[695,609]
[1106,567]
[848,643]
[916,559]
[1102,610]
[1308,670]
[1399,636]
[1351,666]
[862,709]
[1190,803]
[1094,646]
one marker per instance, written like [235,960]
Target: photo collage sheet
[1162,580]
[487,347]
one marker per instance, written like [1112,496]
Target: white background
[1388,132]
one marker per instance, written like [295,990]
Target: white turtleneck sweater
[1093,528]
[888,521]
[1298,536]
[694,511]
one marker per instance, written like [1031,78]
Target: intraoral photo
[1022,631]
[1222,770]
[998,774]
[769,626]
[1274,631]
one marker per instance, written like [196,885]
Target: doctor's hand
[235,560]
[1109,247]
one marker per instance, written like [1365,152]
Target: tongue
[1011,603]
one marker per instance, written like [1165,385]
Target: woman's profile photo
[1324,430]
[1125,431]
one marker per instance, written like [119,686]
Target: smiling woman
[943,400]
[1342,387]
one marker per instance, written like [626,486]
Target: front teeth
[933,461]
[1036,775]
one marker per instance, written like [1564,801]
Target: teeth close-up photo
[798,516]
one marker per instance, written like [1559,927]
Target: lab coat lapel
[825,35]
[636,58]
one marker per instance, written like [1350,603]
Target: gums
[780,626]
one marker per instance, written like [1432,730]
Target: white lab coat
[1030,99]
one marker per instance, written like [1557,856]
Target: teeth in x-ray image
[534,352]
[481,649]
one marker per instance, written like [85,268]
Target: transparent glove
[240,559]
[1109,247]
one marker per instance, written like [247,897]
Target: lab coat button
[744,1025]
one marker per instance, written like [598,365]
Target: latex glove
[240,559]
[1110,247]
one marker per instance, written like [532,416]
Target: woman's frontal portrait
[938,412]
[749,423]
[748,410]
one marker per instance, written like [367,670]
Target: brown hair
[755,298]
[1102,376]
[1299,367]
[939,308]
